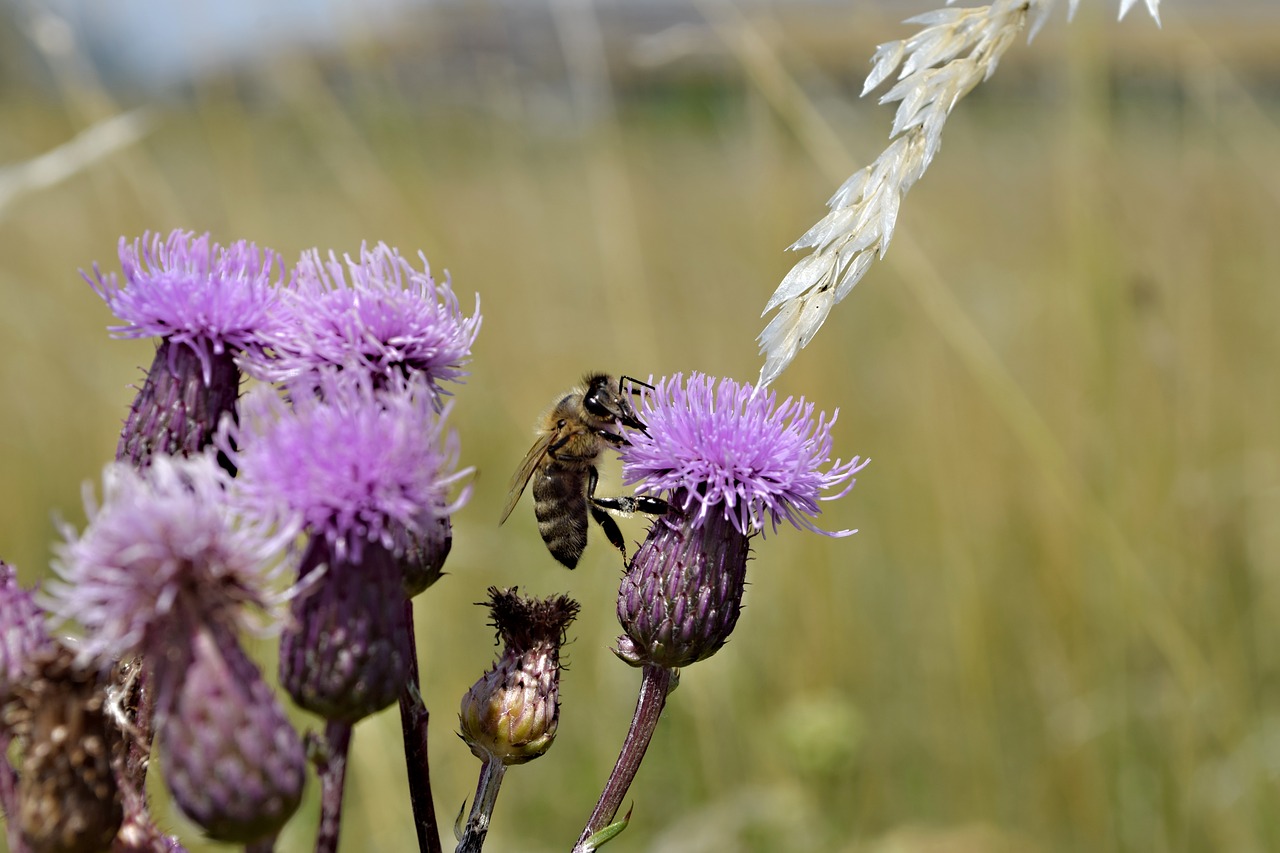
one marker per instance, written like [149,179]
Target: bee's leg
[559,442]
[650,505]
[631,504]
[610,528]
[612,437]
[607,524]
[625,504]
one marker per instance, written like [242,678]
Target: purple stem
[413,723]
[655,682]
[333,776]
[142,709]
[138,832]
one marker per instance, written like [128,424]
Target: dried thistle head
[68,798]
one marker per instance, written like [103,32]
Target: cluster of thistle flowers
[339,462]
[338,472]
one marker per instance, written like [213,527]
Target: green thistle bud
[510,715]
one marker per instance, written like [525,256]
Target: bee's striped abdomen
[560,505]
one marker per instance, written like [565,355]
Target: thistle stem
[139,831]
[413,724]
[140,710]
[333,776]
[655,682]
[491,773]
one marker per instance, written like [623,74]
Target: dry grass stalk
[955,50]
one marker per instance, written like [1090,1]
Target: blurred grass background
[1059,626]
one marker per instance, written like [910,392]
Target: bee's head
[604,399]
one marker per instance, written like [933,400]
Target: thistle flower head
[389,319]
[733,450]
[164,550]
[232,761]
[22,631]
[190,290]
[511,714]
[177,410]
[682,594]
[344,654]
[353,462]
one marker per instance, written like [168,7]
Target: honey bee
[562,465]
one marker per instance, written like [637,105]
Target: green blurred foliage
[1059,626]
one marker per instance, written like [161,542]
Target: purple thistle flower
[207,304]
[353,463]
[729,458]
[164,564]
[163,551]
[388,320]
[189,290]
[368,472]
[730,448]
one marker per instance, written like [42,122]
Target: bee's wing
[530,464]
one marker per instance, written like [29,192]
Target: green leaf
[460,822]
[599,839]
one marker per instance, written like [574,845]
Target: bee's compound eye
[592,403]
